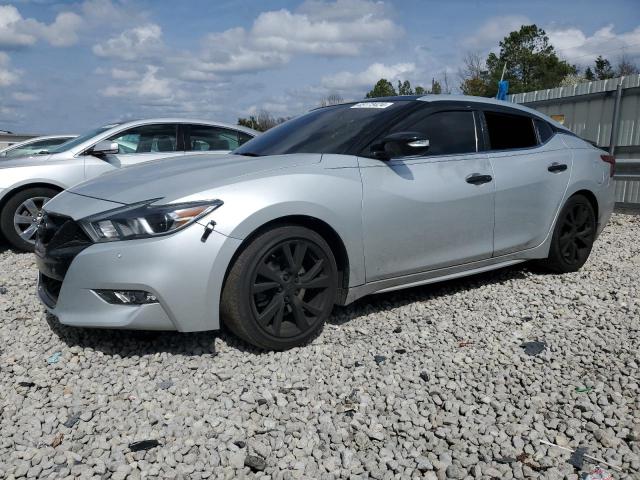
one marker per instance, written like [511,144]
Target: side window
[205,138]
[545,132]
[508,131]
[448,132]
[147,139]
[27,149]
[243,138]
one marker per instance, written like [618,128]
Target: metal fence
[605,112]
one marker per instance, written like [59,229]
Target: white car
[26,184]
[34,146]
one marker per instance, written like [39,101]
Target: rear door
[420,212]
[212,139]
[532,168]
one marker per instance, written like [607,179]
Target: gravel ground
[429,383]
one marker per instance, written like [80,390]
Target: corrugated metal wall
[587,109]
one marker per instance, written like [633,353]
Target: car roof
[467,99]
[146,121]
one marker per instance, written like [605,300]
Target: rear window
[508,131]
[545,132]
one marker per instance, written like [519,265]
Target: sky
[66,67]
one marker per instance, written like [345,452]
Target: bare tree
[331,99]
[261,122]
[473,75]
[444,82]
[626,66]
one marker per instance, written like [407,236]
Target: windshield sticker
[372,105]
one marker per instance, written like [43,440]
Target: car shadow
[131,343]
[399,298]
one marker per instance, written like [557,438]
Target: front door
[138,144]
[430,211]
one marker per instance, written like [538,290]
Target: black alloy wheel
[281,289]
[573,236]
[576,234]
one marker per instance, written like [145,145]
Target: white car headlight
[144,220]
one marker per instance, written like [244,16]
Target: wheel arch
[25,186]
[326,231]
[589,195]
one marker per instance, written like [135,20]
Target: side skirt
[433,276]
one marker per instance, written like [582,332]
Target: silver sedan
[345,201]
[27,183]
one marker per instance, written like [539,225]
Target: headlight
[144,220]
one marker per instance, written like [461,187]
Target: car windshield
[79,140]
[331,129]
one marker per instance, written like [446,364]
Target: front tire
[20,215]
[573,236]
[281,288]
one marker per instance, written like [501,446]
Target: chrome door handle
[478,179]
[557,167]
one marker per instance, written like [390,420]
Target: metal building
[605,112]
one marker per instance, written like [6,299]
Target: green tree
[383,88]
[532,63]
[436,88]
[404,88]
[603,69]
[421,90]
[589,75]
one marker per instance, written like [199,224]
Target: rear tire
[280,289]
[18,219]
[573,236]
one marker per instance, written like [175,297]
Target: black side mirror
[404,143]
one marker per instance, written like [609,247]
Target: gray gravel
[426,383]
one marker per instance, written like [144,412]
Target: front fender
[332,196]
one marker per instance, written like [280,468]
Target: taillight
[611,160]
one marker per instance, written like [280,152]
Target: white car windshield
[79,140]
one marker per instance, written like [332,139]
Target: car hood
[177,177]
[34,161]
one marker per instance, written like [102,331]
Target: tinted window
[331,129]
[204,138]
[448,132]
[508,131]
[147,139]
[545,132]
[243,138]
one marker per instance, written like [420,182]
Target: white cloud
[231,51]
[150,85]
[124,74]
[340,28]
[493,30]
[138,42]
[343,9]
[577,47]
[288,32]
[17,32]
[7,76]
[11,34]
[368,77]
